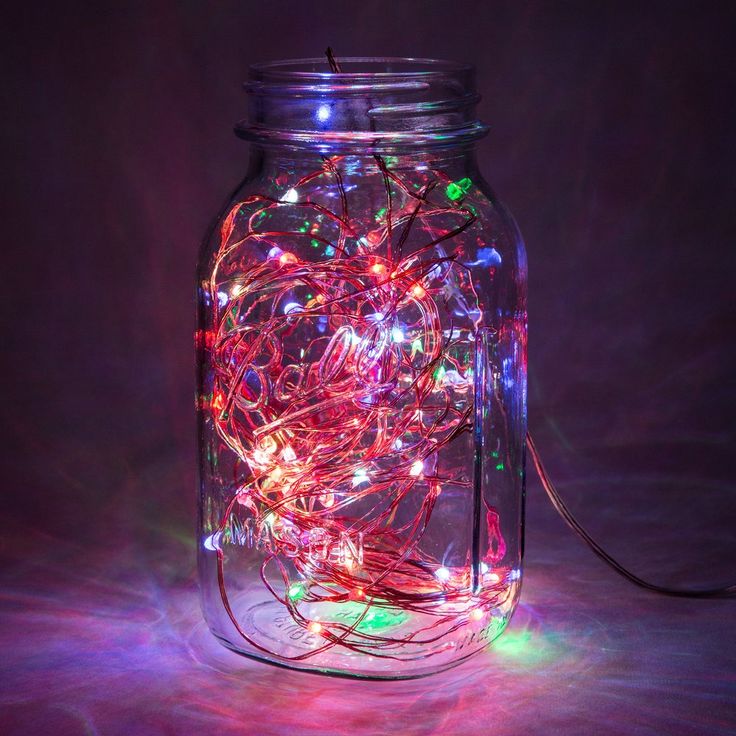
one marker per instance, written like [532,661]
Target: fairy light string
[337,439]
[332,61]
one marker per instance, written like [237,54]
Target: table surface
[102,634]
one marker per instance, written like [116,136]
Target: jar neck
[276,162]
[372,106]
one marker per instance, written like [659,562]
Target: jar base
[285,643]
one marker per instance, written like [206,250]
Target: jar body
[362,413]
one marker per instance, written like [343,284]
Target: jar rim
[320,69]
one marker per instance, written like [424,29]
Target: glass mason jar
[361,353]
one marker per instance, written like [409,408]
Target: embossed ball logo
[359,404]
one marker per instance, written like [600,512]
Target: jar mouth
[358,67]
[372,104]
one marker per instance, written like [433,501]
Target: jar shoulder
[322,215]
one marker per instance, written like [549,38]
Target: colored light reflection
[376,619]
[146,645]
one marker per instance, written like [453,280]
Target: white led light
[442,573]
[291,196]
[416,469]
[397,335]
[212,542]
[361,476]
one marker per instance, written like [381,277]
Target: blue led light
[323,113]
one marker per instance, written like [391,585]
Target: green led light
[296,591]
[314,243]
[499,466]
[457,189]
[439,374]
[454,192]
[380,214]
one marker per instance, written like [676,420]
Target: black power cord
[561,508]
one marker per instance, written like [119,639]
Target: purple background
[613,143]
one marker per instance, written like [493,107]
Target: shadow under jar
[361,352]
